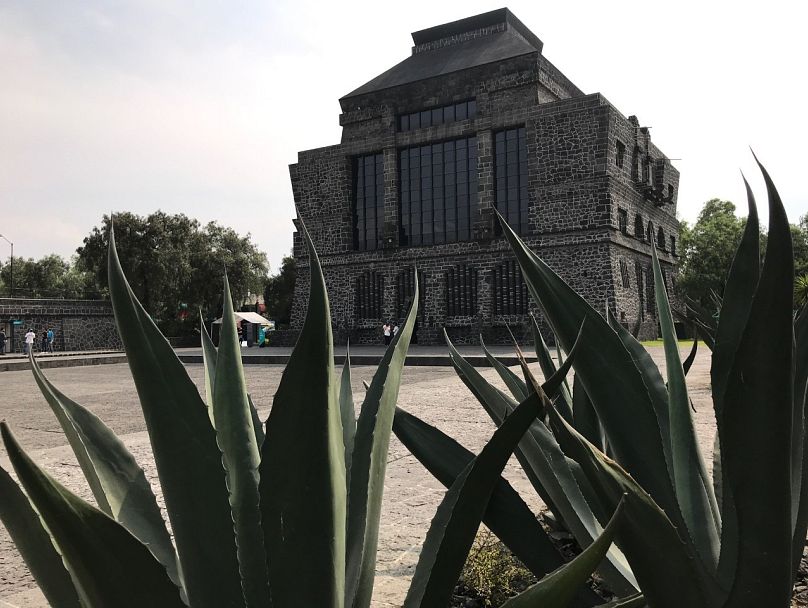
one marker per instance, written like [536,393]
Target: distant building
[476,119]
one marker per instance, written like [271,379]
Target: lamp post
[12,262]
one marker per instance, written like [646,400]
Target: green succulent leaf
[369,462]
[258,425]
[507,515]
[209,356]
[633,601]
[548,368]
[188,459]
[625,408]
[755,407]
[108,565]
[452,530]
[302,486]
[515,384]
[799,449]
[691,357]
[556,590]
[548,470]
[235,434]
[35,545]
[584,417]
[118,483]
[348,414]
[694,490]
[667,570]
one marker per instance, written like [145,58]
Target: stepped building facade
[477,119]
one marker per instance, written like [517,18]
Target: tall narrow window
[369,295]
[639,227]
[639,274]
[368,202]
[461,291]
[622,220]
[673,245]
[621,154]
[624,275]
[405,290]
[510,171]
[438,192]
[509,292]
[660,239]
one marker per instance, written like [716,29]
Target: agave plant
[288,518]
[688,539]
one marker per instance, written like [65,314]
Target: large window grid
[438,192]
[461,291]
[405,290]
[438,116]
[368,202]
[369,295]
[510,171]
[509,294]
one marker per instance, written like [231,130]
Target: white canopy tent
[250,317]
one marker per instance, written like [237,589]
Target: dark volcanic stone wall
[77,324]
[588,166]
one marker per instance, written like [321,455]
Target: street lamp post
[12,262]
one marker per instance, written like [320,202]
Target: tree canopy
[49,277]
[279,291]
[176,266]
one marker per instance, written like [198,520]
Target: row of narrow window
[438,191]
[464,110]
[644,232]
[509,296]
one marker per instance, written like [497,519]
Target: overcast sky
[199,107]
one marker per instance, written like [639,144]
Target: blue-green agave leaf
[756,430]
[258,424]
[634,601]
[369,462]
[108,565]
[548,470]
[302,486]
[515,384]
[625,408]
[556,590]
[348,414]
[235,434]
[183,441]
[118,483]
[209,356]
[584,417]
[458,517]
[646,535]
[548,368]
[507,515]
[694,490]
[35,545]
[691,357]
[799,449]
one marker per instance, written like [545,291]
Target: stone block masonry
[78,325]
[587,187]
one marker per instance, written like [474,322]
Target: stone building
[476,119]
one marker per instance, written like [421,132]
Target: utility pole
[12,262]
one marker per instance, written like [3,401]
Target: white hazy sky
[199,107]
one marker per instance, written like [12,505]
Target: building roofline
[454,28]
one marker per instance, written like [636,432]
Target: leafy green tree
[48,277]
[279,291]
[175,266]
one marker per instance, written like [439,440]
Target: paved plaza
[411,494]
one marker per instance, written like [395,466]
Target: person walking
[2,342]
[43,346]
[395,329]
[29,341]
[388,333]
[51,338]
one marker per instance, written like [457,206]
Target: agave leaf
[452,530]
[624,408]
[35,545]
[118,483]
[183,441]
[507,515]
[634,601]
[302,470]
[209,356]
[515,384]
[548,470]
[694,490]
[756,409]
[691,357]
[799,488]
[369,462]
[646,535]
[235,435]
[557,589]
[109,566]
[258,425]
[704,320]
[548,368]
[348,414]
[584,417]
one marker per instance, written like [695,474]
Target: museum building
[477,119]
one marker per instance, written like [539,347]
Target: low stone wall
[78,325]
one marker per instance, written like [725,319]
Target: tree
[279,291]
[49,277]
[707,250]
[175,267]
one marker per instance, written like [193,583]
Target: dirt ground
[435,394]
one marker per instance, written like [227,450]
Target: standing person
[29,341]
[388,333]
[2,342]
[43,345]
[395,329]
[51,338]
